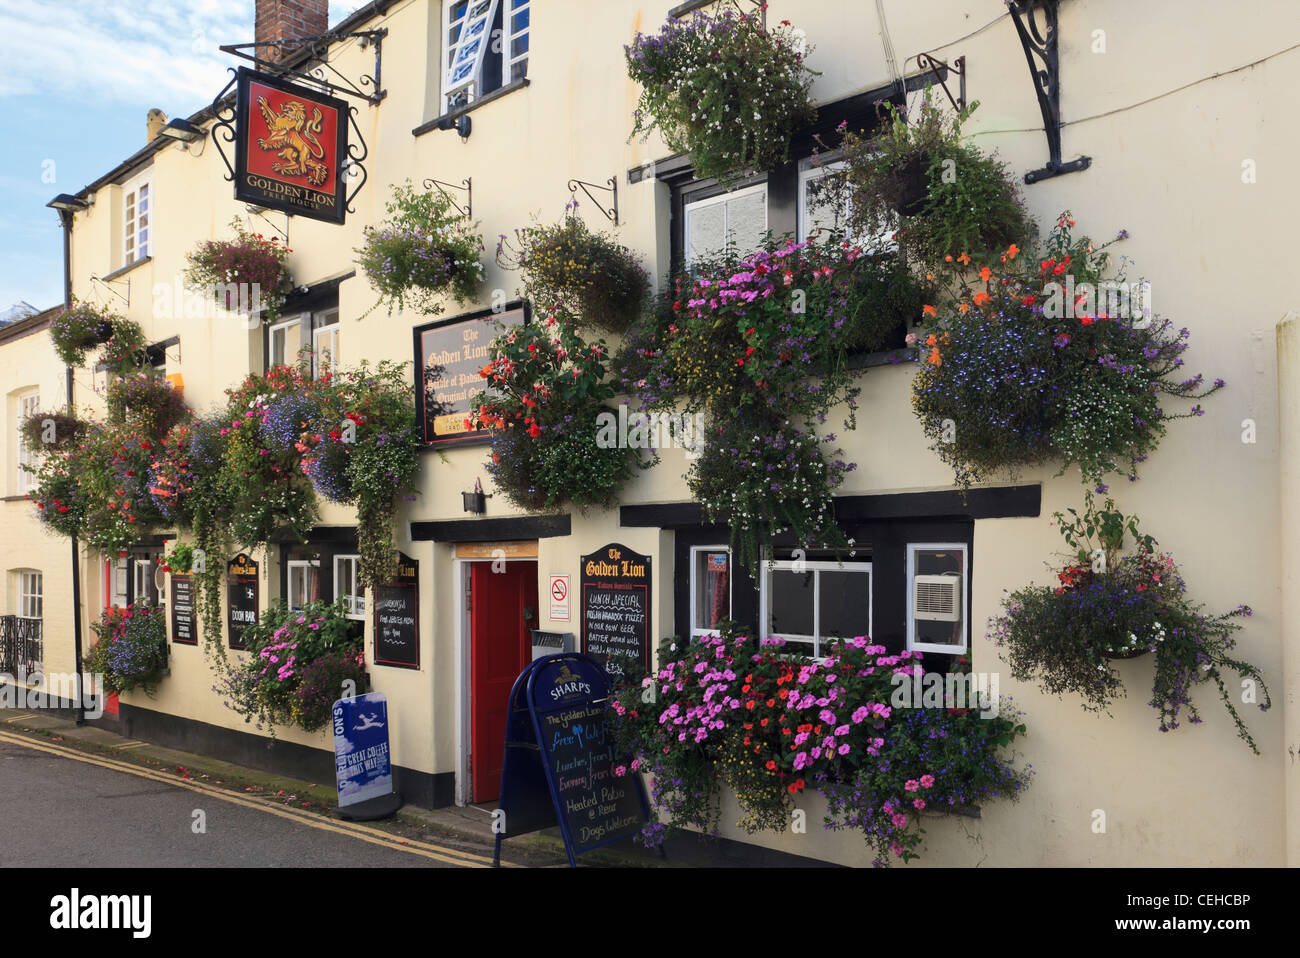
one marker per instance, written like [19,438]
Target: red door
[500,648]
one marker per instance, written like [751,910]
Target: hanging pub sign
[397,617]
[562,764]
[241,598]
[448,358]
[181,598]
[290,146]
[615,603]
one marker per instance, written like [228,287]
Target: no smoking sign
[560,598]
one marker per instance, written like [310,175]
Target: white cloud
[142,52]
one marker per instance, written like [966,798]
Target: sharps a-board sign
[561,760]
[363,767]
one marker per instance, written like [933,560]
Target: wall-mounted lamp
[476,501]
[461,125]
[182,130]
[67,203]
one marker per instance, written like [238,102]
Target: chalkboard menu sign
[561,761]
[616,607]
[241,598]
[397,617]
[184,630]
[448,357]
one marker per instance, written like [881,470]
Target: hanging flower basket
[81,328]
[724,89]
[242,275]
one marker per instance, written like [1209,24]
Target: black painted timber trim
[486,530]
[1002,502]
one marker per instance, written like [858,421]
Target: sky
[77,78]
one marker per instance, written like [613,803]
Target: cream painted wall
[1168,171]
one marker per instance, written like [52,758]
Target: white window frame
[817,567]
[912,549]
[31,598]
[511,10]
[689,208]
[281,328]
[143,581]
[298,566]
[472,84]
[697,633]
[880,245]
[28,402]
[333,330]
[117,572]
[132,249]
[358,592]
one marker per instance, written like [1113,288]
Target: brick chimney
[288,20]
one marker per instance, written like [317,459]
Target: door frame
[464,671]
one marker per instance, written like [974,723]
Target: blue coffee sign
[363,766]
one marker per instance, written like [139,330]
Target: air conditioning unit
[937,598]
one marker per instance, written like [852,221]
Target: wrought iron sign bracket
[611,214]
[260,213]
[941,71]
[368,87]
[352,168]
[467,187]
[1043,57]
[108,285]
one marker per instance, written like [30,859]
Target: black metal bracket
[368,87]
[108,284]
[611,214]
[223,122]
[467,186]
[941,70]
[1043,57]
[260,213]
[357,152]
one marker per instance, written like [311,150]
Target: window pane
[747,220]
[790,609]
[519,46]
[519,69]
[845,599]
[706,230]
[939,600]
[519,22]
[712,589]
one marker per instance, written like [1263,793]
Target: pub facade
[542,117]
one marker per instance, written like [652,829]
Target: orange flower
[981,298]
[931,340]
[1012,250]
[929,310]
[986,274]
[934,358]
[963,307]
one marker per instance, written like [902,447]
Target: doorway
[502,612]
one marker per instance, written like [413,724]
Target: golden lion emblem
[293,138]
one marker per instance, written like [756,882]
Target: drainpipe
[65,216]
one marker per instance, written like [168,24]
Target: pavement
[61,784]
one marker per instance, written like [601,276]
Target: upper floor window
[485,46]
[137,217]
[808,603]
[736,220]
[710,589]
[27,404]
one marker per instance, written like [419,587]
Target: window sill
[448,120]
[126,269]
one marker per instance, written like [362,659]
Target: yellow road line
[365,833]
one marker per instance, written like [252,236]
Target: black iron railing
[21,647]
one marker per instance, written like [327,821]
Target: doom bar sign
[290,145]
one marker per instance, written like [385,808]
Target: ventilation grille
[938,598]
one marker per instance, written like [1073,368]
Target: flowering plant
[296,666]
[425,248]
[1109,606]
[59,430]
[950,195]
[180,560]
[568,267]
[1012,375]
[241,273]
[725,711]
[546,389]
[132,649]
[723,88]
[57,493]
[80,328]
[739,342]
[147,401]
